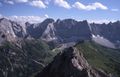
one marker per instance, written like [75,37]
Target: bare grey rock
[70,63]
[10,30]
[61,31]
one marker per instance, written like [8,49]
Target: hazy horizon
[38,10]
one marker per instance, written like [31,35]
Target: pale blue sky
[78,9]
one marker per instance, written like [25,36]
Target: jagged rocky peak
[116,23]
[69,21]
[48,20]
[70,63]
[84,21]
[6,29]
[49,33]
[63,31]
[66,22]
[58,21]
[37,30]
[46,23]
[27,24]
[10,30]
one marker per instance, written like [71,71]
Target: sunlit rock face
[37,30]
[10,30]
[70,63]
[61,31]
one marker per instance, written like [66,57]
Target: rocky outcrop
[10,30]
[49,33]
[109,31]
[70,63]
[69,30]
[60,31]
[37,30]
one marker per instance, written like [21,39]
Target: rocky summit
[27,49]
[61,31]
[70,63]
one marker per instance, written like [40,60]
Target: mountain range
[67,47]
[62,31]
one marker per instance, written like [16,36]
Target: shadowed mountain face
[70,30]
[61,31]
[109,31]
[70,63]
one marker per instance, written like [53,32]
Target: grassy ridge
[101,57]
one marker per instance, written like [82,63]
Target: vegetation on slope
[101,57]
[24,58]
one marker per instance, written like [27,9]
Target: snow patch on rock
[102,41]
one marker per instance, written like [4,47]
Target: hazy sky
[78,9]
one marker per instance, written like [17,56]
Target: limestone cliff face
[70,63]
[61,31]
[10,30]
[109,31]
